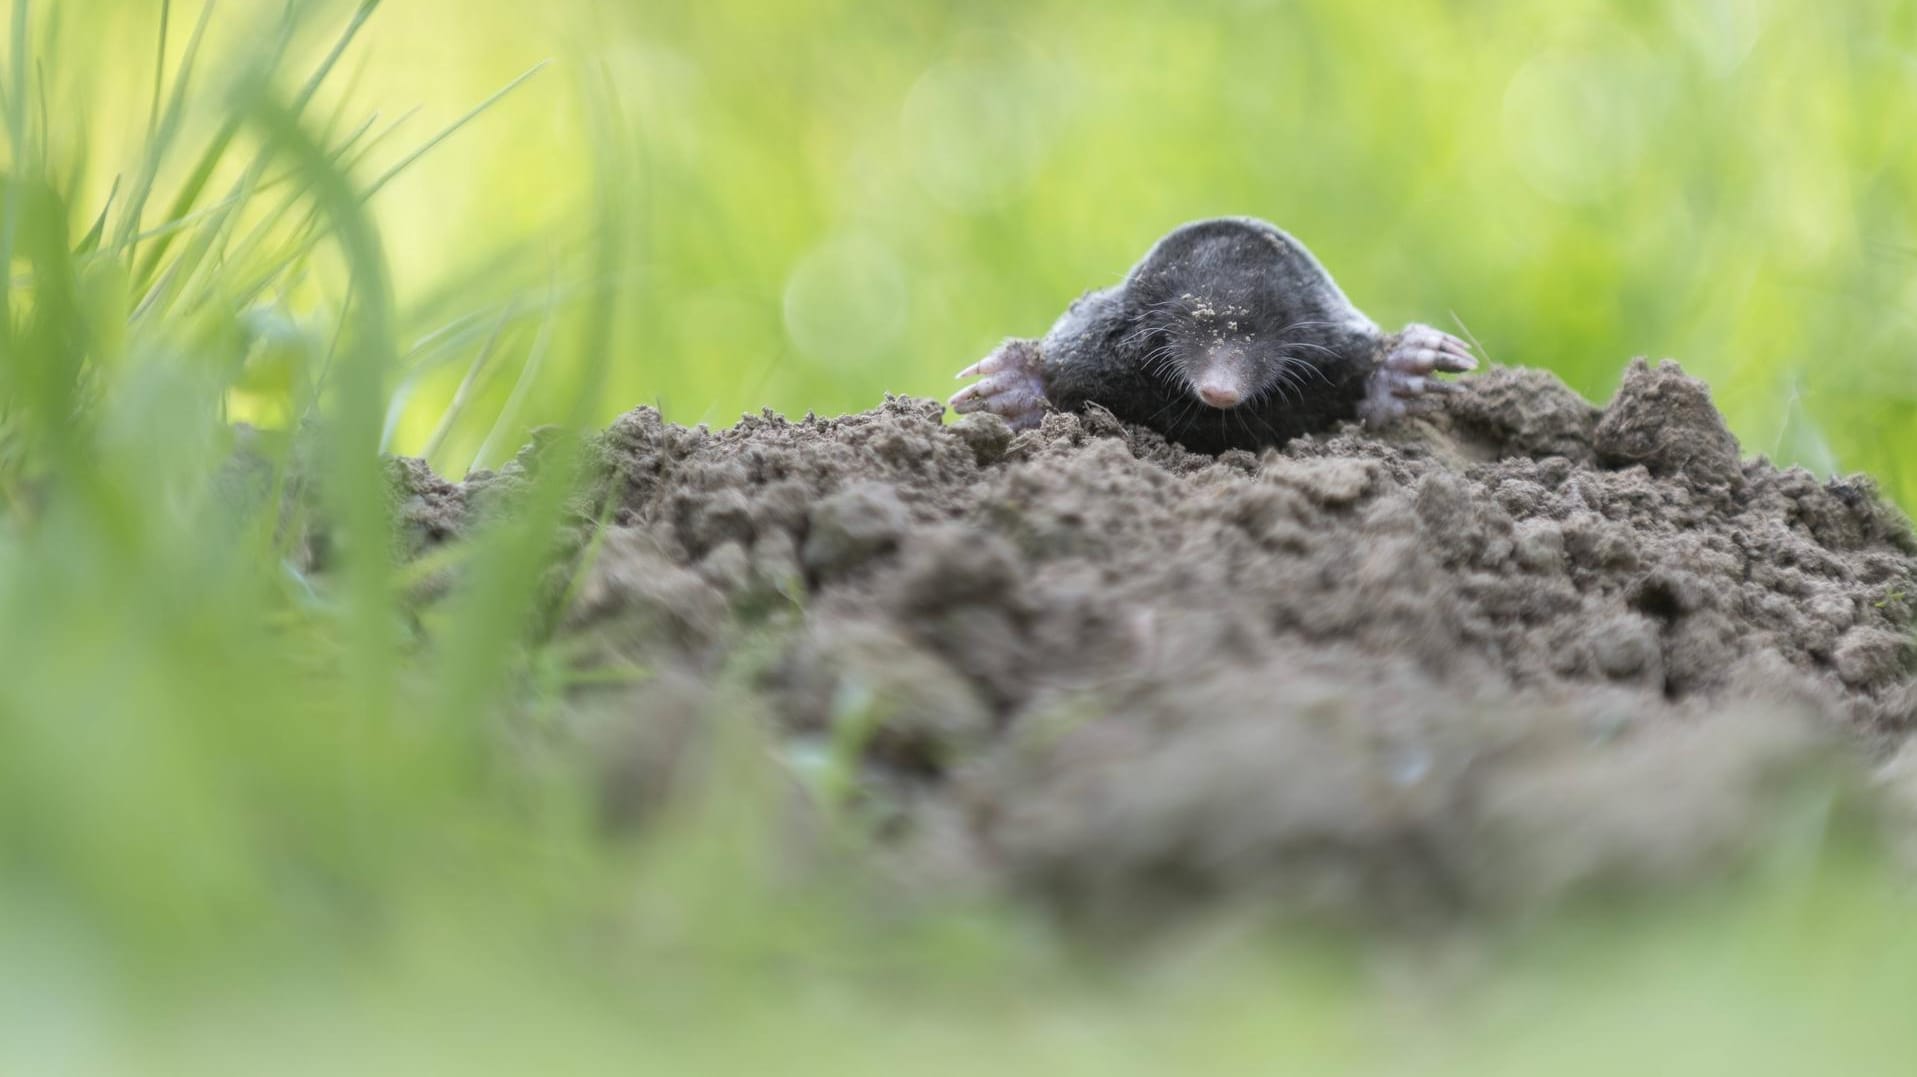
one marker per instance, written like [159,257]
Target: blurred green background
[832,200]
[251,819]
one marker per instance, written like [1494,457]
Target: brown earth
[1509,653]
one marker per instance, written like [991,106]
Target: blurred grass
[252,817]
[833,199]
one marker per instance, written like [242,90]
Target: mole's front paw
[1407,373]
[1013,385]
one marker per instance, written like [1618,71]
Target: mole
[1228,334]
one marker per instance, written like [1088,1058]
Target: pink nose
[1219,395]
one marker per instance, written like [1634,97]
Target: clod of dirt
[1664,420]
[1520,650]
[851,526]
[1519,412]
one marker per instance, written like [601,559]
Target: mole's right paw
[1013,385]
[1406,373]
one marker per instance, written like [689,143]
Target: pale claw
[1405,374]
[988,365]
[1013,386]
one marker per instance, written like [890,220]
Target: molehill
[1513,651]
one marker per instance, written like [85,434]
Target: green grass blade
[340,45]
[159,70]
[265,227]
[462,395]
[488,623]
[301,249]
[91,241]
[10,191]
[506,425]
[384,133]
[183,202]
[184,271]
[216,150]
[233,199]
[46,123]
[346,144]
[450,129]
[17,71]
[353,476]
[161,142]
[47,371]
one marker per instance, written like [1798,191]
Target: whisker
[1142,331]
[1158,358]
[1170,404]
[1288,382]
[1292,362]
[1333,352]
[1270,430]
[1190,415]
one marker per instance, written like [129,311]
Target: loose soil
[1514,651]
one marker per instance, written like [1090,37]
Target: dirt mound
[1521,647]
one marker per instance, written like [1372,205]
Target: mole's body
[1228,334]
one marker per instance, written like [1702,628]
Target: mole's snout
[1219,396]
[1219,389]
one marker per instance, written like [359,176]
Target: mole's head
[1221,311]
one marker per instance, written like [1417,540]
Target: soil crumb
[1518,650]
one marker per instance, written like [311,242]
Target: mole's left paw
[1013,386]
[1408,372]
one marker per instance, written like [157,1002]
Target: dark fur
[1233,283]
